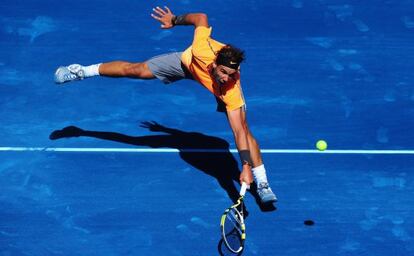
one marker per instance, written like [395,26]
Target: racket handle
[243,188]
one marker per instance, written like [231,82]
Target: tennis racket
[233,230]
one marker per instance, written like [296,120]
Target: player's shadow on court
[218,162]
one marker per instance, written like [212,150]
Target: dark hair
[230,56]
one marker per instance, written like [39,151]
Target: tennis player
[214,65]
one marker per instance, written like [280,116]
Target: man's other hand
[164,16]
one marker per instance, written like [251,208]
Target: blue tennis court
[144,168]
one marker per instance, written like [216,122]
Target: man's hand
[246,174]
[163,16]
[153,126]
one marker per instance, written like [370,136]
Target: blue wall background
[336,70]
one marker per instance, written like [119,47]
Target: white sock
[92,70]
[259,174]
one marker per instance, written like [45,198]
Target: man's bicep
[202,20]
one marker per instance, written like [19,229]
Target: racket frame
[239,202]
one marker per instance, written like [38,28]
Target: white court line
[169,150]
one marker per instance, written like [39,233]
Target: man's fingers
[165,26]
[168,9]
[155,17]
[160,10]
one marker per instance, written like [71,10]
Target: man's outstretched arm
[169,20]
[238,124]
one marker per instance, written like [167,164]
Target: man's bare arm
[169,20]
[238,124]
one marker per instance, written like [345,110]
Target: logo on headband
[227,63]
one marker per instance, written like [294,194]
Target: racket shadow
[221,165]
[224,251]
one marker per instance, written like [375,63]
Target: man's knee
[138,70]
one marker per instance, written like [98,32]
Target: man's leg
[113,69]
[126,69]
[168,68]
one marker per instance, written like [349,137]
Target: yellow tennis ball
[321,145]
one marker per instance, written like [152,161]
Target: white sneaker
[69,73]
[265,193]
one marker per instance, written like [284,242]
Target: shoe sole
[273,200]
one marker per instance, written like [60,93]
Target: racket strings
[233,231]
[236,216]
[232,224]
[235,222]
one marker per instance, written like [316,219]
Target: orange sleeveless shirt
[197,59]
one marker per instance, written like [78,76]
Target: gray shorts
[168,67]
